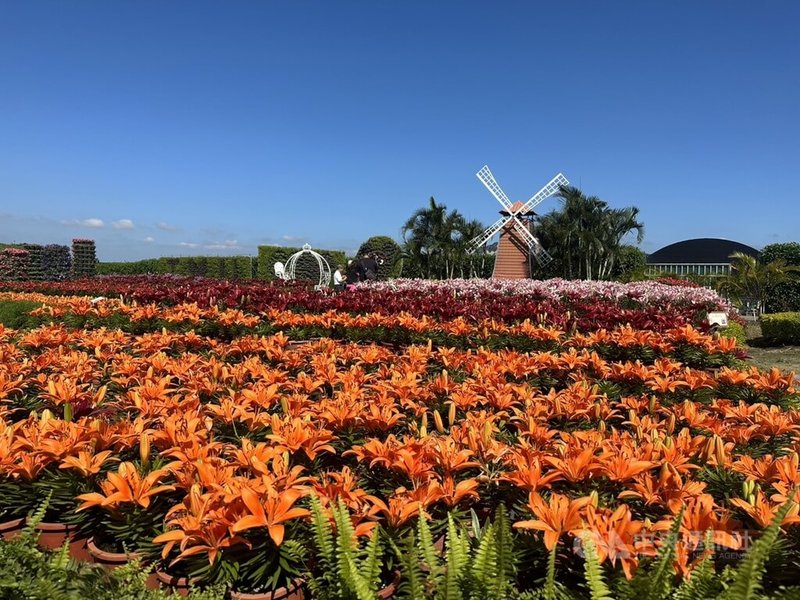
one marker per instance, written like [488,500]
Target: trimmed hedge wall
[138,267]
[781,327]
[220,267]
[306,268]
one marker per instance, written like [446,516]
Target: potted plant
[244,537]
[127,513]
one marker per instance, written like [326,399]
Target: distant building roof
[700,251]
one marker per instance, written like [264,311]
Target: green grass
[16,313]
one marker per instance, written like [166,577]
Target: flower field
[196,422]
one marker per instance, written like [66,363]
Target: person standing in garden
[370,265]
[339,278]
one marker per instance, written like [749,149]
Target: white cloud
[225,245]
[122,224]
[95,223]
[292,238]
[149,238]
[166,226]
[188,244]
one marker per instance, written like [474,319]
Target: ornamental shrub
[781,327]
[735,330]
[388,253]
[84,258]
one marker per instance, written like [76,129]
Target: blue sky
[177,128]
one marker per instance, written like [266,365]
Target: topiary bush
[388,253]
[781,327]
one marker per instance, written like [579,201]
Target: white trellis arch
[324,267]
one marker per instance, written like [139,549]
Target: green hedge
[306,268]
[781,327]
[219,267]
[139,267]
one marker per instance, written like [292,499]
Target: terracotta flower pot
[11,529]
[114,560]
[295,591]
[53,535]
[391,588]
[179,585]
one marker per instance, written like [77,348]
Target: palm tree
[585,235]
[750,279]
[433,240]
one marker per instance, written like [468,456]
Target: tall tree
[585,235]
[751,279]
[435,243]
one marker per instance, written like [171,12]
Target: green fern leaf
[412,587]
[550,581]
[505,566]
[702,583]
[660,579]
[371,566]
[747,577]
[593,572]
[425,542]
[323,534]
[484,566]
[457,546]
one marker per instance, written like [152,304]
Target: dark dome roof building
[702,256]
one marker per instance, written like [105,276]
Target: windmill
[517,243]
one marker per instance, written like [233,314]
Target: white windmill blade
[486,177]
[539,253]
[551,188]
[480,240]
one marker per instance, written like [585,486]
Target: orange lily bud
[144,448]
[451,414]
[437,420]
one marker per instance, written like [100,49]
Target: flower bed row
[203,451]
[585,305]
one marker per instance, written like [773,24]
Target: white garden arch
[324,267]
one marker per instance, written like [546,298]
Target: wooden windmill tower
[517,244]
